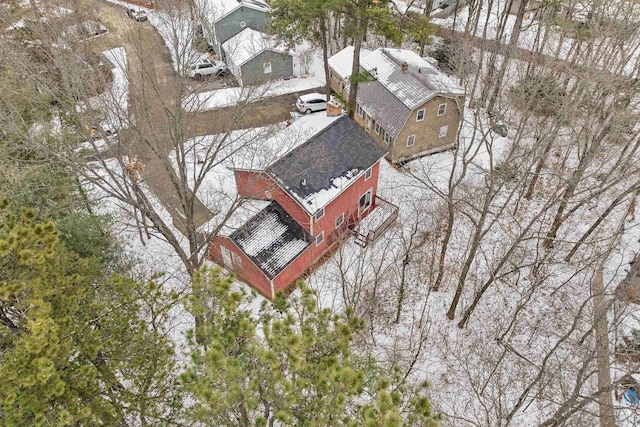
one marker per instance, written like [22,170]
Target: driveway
[155,92]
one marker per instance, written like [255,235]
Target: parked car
[138,15]
[207,68]
[312,102]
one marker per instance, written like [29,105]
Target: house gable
[259,185]
[405,85]
[267,65]
[238,19]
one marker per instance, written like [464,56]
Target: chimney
[404,67]
[334,108]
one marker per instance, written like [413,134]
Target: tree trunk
[355,71]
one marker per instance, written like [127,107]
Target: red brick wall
[254,185]
[248,272]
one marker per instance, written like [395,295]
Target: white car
[138,15]
[207,68]
[312,102]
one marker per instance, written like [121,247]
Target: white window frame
[339,220]
[377,128]
[319,214]
[360,111]
[442,107]
[268,194]
[320,237]
[387,138]
[237,261]
[443,131]
[421,111]
[226,257]
[367,173]
[411,141]
[363,209]
[266,67]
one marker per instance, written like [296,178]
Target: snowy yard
[532,328]
[235,95]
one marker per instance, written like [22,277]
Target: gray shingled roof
[386,109]
[318,170]
[272,239]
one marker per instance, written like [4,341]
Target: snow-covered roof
[213,10]
[271,239]
[247,44]
[342,62]
[243,4]
[320,169]
[242,214]
[421,82]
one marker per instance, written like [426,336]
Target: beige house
[411,109]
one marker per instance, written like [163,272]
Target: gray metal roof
[320,169]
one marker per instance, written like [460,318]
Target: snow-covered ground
[114,102]
[453,360]
[177,29]
[235,95]
[153,255]
[490,16]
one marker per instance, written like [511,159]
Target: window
[236,259]
[243,24]
[226,256]
[365,202]
[319,214]
[411,140]
[442,108]
[360,111]
[443,131]
[420,115]
[377,129]
[387,138]
[268,194]
[319,238]
[367,174]
[340,220]
[368,122]
[267,67]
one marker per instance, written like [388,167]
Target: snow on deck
[376,218]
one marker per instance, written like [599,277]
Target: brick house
[301,205]
[410,109]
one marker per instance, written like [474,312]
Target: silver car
[312,102]
[207,68]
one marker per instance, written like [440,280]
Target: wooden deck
[376,223]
